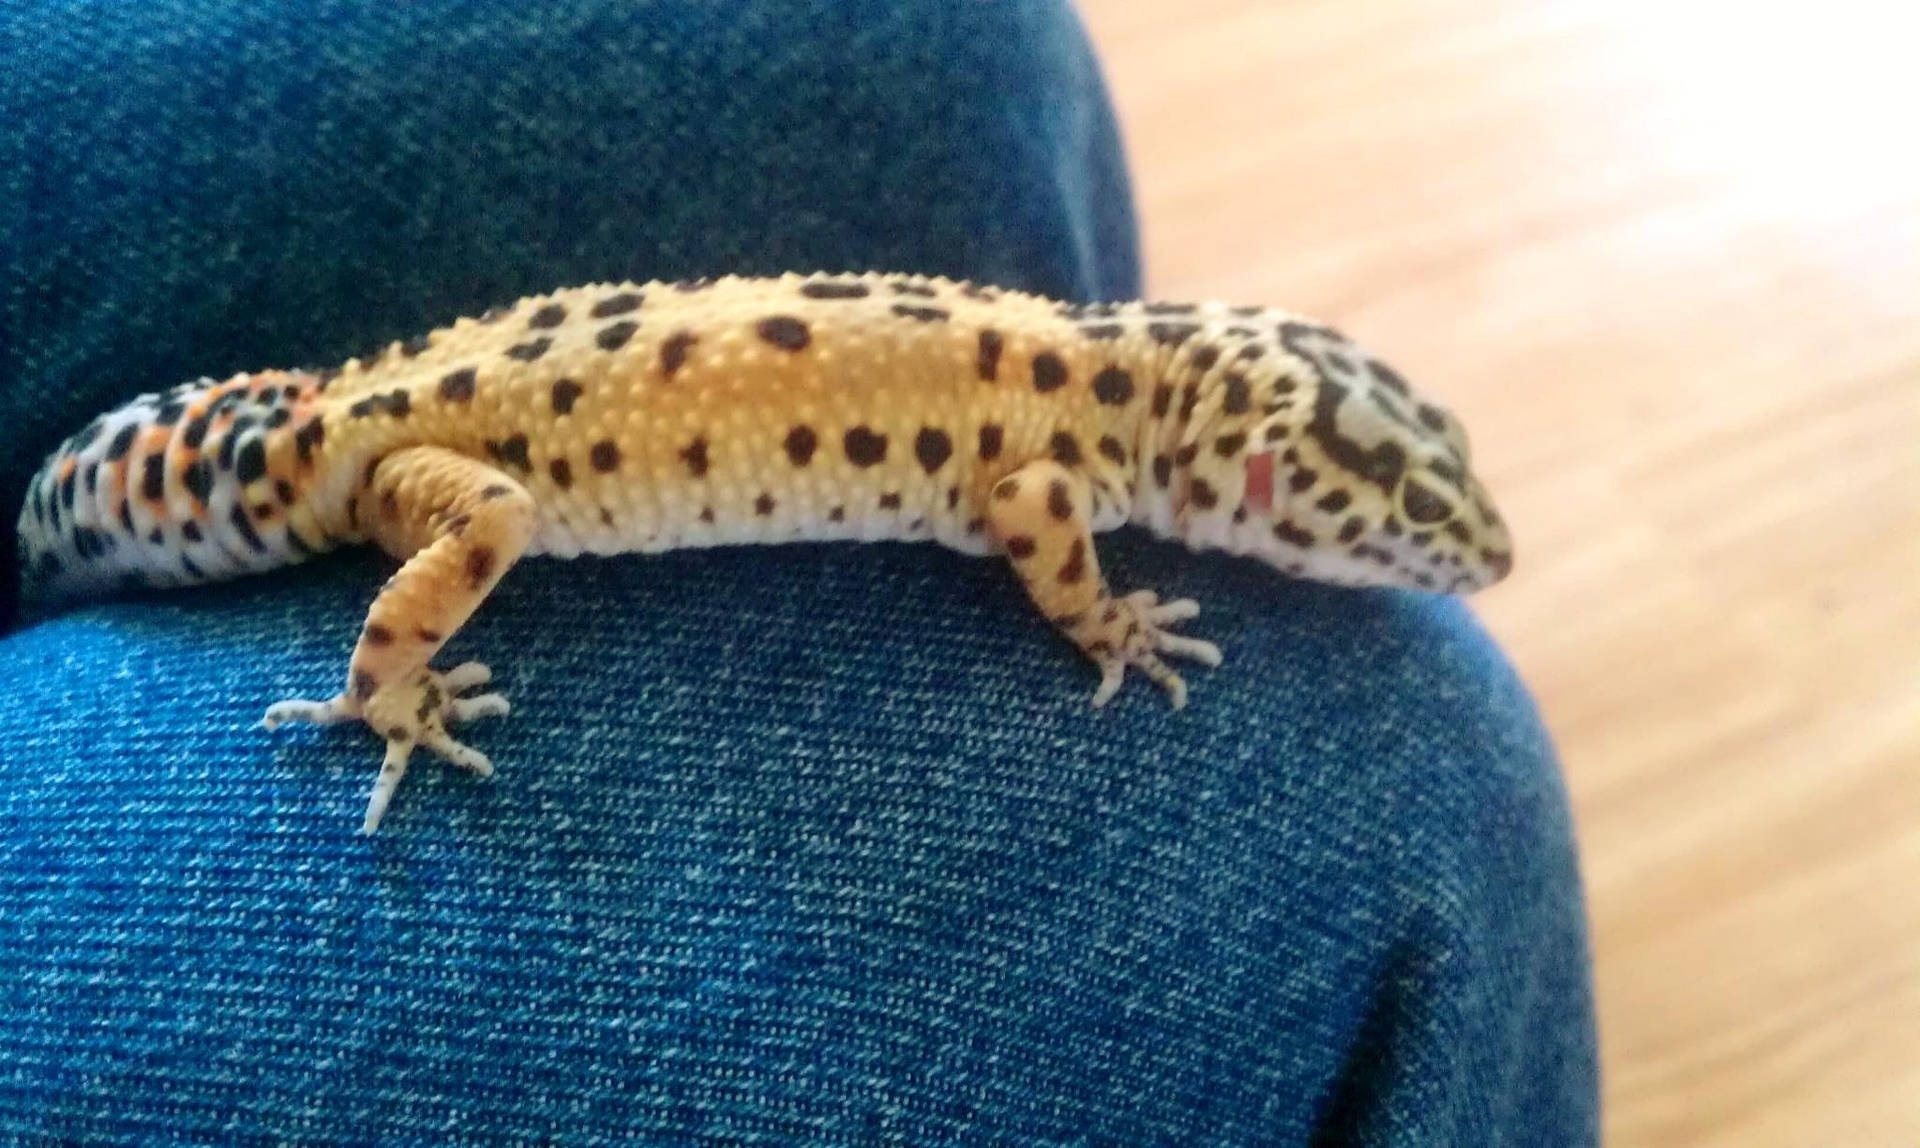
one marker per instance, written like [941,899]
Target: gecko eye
[1424,505]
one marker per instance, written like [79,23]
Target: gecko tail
[196,484]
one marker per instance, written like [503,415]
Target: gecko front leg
[457,525]
[1041,516]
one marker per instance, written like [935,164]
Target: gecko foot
[1132,631]
[409,713]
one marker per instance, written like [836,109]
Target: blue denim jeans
[810,844]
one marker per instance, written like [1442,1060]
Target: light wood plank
[1665,260]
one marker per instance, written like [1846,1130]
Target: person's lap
[810,842]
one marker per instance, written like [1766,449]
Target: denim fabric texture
[810,844]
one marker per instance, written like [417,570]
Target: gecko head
[1360,480]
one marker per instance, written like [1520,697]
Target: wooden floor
[1668,269]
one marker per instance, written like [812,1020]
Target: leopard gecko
[643,417]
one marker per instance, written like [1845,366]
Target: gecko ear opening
[1260,482]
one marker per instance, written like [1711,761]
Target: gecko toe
[301,710]
[479,706]
[465,676]
[457,753]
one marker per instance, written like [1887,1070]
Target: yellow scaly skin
[625,417]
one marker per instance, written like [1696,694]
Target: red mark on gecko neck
[1260,481]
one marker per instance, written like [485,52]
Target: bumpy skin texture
[614,418]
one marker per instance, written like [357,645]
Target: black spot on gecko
[694,454]
[1162,471]
[1059,500]
[190,530]
[1075,567]
[1064,448]
[1103,331]
[834,290]
[377,635]
[988,363]
[168,413]
[992,437]
[801,442]
[1228,445]
[1112,450]
[528,351]
[890,500]
[457,386]
[614,336]
[480,563]
[1295,536]
[605,456]
[1333,502]
[1203,359]
[198,479]
[621,304]
[1049,372]
[1389,378]
[923,314]
[308,438]
[1021,547]
[430,700]
[784,332]
[763,505]
[562,472]
[673,352]
[511,451]
[1113,386]
[364,684]
[1203,495]
[1172,334]
[415,345]
[1352,529]
[565,393]
[903,288]
[244,528]
[864,447]
[550,316]
[250,463]
[932,447]
[1302,479]
[1171,308]
[196,431]
[1237,399]
[122,442]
